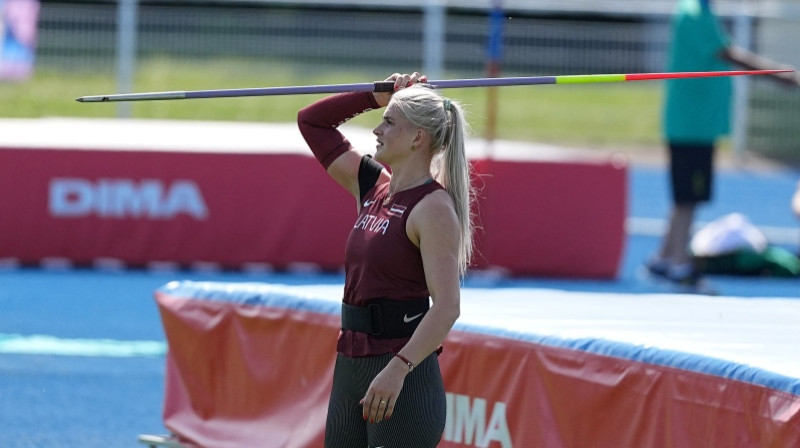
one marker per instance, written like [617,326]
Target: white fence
[542,37]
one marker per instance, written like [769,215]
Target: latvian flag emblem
[397,210]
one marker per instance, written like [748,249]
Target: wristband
[405,360]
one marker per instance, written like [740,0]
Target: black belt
[385,318]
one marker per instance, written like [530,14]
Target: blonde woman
[410,245]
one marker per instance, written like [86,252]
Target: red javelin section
[655,76]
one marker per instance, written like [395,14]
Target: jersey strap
[368,173]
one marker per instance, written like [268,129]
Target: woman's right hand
[400,82]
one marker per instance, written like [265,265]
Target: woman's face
[395,135]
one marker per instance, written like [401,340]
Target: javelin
[388,86]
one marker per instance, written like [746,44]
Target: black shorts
[691,172]
[419,414]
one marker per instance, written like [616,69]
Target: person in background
[696,113]
[410,245]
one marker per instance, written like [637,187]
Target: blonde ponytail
[444,119]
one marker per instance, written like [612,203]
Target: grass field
[600,115]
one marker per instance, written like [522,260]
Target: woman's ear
[420,138]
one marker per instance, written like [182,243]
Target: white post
[126,51]
[433,39]
[742,37]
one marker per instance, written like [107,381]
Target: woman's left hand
[378,403]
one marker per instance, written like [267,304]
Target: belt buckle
[377,319]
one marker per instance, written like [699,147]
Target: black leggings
[419,413]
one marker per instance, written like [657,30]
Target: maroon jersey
[381,262]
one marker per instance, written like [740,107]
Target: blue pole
[494,56]
[495,44]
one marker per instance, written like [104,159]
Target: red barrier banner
[143,207]
[244,375]
[543,219]
[278,210]
[505,393]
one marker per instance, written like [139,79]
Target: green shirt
[696,110]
